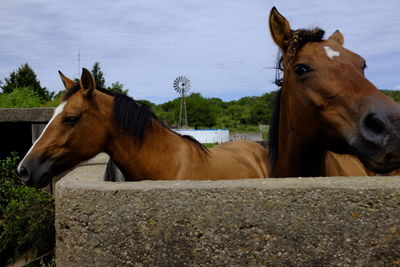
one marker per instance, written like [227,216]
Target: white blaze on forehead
[331,53]
[57,111]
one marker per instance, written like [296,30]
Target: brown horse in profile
[326,104]
[91,120]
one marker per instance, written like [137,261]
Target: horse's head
[76,132]
[326,97]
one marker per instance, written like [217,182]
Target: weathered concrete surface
[38,115]
[255,222]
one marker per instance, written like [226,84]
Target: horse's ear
[280,29]
[337,36]
[87,82]
[68,83]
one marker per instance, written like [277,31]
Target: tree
[240,114]
[201,111]
[23,77]
[169,112]
[117,87]
[98,75]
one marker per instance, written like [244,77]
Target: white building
[206,136]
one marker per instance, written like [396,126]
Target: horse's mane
[134,116]
[297,40]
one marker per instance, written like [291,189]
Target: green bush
[20,98]
[26,216]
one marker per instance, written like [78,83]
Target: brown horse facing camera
[326,104]
[91,120]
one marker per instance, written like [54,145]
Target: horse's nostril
[388,157]
[23,173]
[373,123]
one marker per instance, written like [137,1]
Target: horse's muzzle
[23,173]
[378,142]
[35,175]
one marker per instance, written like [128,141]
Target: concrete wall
[19,127]
[253,222]
[33,115]
[206,136]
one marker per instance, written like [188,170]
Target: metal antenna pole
[79,45]
[185,120]
[180,113]
[79,61]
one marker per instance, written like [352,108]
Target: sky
[224,47]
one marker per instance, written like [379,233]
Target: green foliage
[213,112]
[210,145]
[117,87]
[98,75]
[169,112]
[200,111]
[395,95]
[56,100]
[24,76]
[8,166]
[26,216]
[23,97]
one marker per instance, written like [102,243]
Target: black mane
[133,116]
[297,40]
[273,132]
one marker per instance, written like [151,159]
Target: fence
[251,222]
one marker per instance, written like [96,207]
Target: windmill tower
[182,86]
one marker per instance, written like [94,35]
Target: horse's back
[243,159]
[344,165]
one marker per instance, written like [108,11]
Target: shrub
[20,98]
[26,216]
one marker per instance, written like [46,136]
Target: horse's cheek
[316,99]
[64,140]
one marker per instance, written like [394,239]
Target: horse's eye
[301,69]
[72,120]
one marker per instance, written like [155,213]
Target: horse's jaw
[376,159]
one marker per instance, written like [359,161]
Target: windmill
[182,86]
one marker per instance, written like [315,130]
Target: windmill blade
[182,84]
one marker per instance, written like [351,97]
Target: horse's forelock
[300,37]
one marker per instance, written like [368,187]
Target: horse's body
[326,105]
[89,121]
[177,158]
[343,165]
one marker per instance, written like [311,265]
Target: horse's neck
[162,155]
[297,159]
[298,154]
